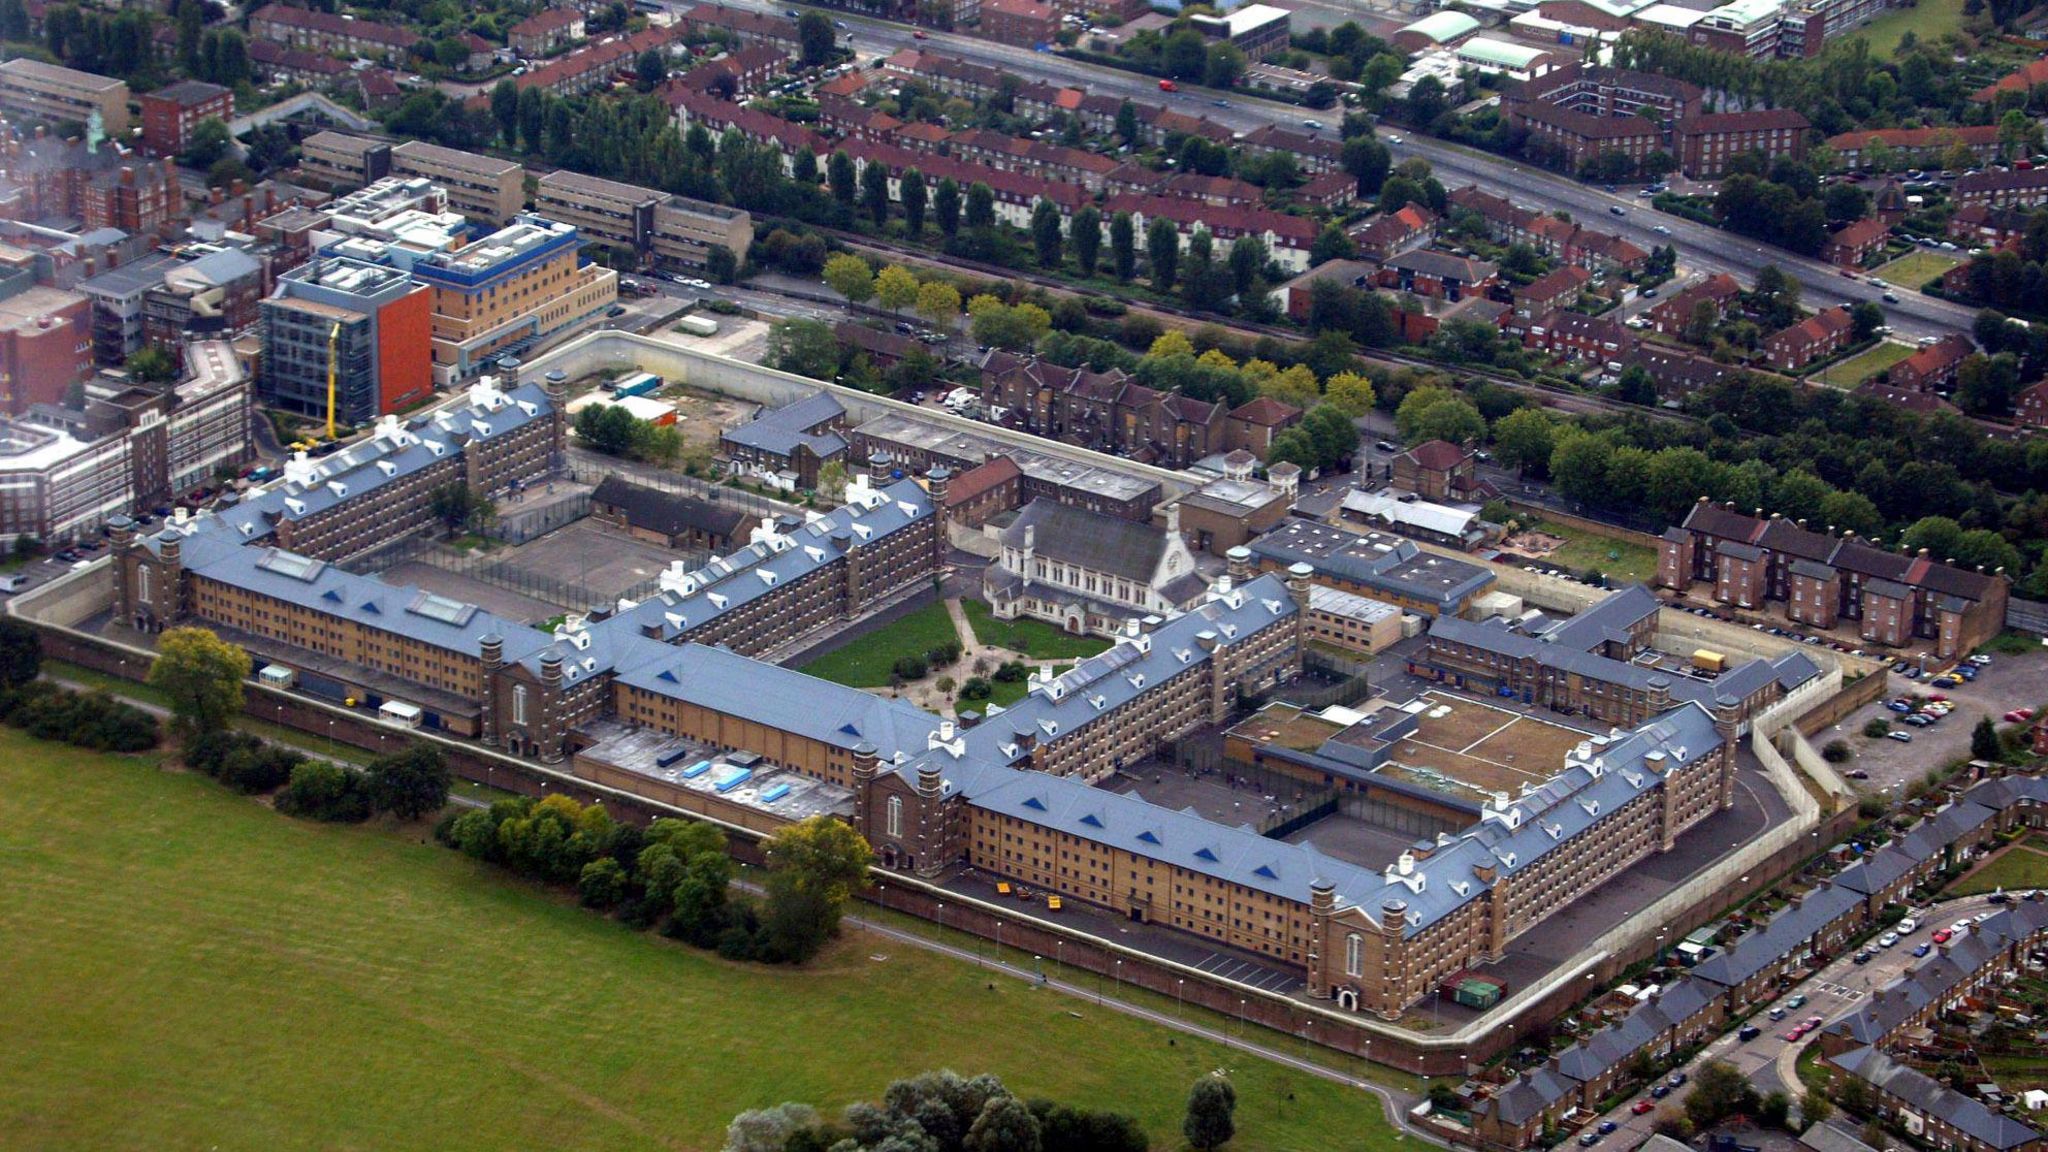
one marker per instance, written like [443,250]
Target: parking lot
[2006,683]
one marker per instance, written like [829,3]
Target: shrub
[322,791]
[944,654]
[976,688]
[259,769]
[1013,671]
[92,720]
[910,668]
[602,883]
[1876,727]
[1836,752]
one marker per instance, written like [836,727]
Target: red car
[1641,1106]
[1943,936]
[1168,86]
[1795,1035]
[920,34]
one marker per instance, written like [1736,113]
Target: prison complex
[1012,793]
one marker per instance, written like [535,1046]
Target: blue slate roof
[1927,1097]
[830,713]
[1787,932]
[779,431]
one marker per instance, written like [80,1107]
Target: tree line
[676,873]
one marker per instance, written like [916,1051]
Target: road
[1770,1061]
[1700,248]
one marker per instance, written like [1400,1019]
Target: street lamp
[1179,986]
[942,921]
[999,942]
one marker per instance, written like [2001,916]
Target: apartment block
[339,160]
[487,190]
[330,33]
[33,90]
[45,346]
[170,114]
[130,447]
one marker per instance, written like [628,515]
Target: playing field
[1928,20]
[184,968]
[1464,744]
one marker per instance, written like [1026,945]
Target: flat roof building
[1374,564]
[490,190]
[381,324]
[508,292]
[340,160]
[33,90]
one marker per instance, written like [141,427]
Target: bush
[1836,752]
[1013,671]
[263,768]
[944,654]
[1876,727]
[91,720]
[976,688]
[322,791]
[910,668]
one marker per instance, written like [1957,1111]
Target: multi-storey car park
[666,697]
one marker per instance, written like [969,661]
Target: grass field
[1928,20]
[1853,371]
[2016,867]
[187,969]
[1033,638]
[865,663]
[1915,268]
[1583,549]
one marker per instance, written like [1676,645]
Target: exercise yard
[1862,366]
[1466,746]
[189,969]
[1909,272]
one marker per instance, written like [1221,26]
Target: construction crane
[333,361]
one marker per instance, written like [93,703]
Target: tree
[1865,319]
[1225,65]
[1005,1124]
[505,110]
[981,207]
[916,199]
[602,883]
[832,481]
[1210,1120]
[458,506]
[650,69]
[202,675]
[895,287]
[874,193]
[1814,1107]
[1046,240]
[1719,1091]
[1524,439]
[815,38]
[1368,162]
[938,302]
[814,866]
[840,175]
[1127,123]
[152,365]
[999,325]
[769,1129]
[850,276]
[1332,243]
[1984,741]
[1122,245]
[21,654]
[946,207]
[804,346]
[410,785]
[1162,252]
[1409,417]
[209,142]
[1350,393]
[1084,235]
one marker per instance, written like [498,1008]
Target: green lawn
[188,969]
[1860,367]
[1629,562]
[1910,271]
[865,663]
[1929,20]
[1033,638]
[2018,867]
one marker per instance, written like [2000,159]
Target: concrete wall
[625,351]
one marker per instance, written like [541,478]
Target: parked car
[1607,1126]
[1942,936]
[1795,1002]
[1660,1091]
[1616,210]
[1641,1107]
[1676,1079]
[1777,1013]
[1888,939]
[1905,927]
[1923,949]
[2019,715]
[1980,661]
[1901,737]
[1588,1139]
[1749,1032]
